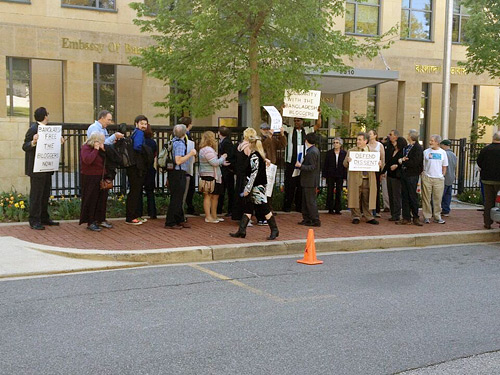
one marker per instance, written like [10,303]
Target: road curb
[273,248]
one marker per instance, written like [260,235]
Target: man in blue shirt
[177,179]
[104,119]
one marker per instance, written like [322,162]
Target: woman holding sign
[93,209]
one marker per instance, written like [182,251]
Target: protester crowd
[240,173]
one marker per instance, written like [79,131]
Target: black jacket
[227,147]
[415,163]
[333,169]
[29,157]
[489,162]
[309,170]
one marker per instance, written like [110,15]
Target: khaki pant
[364,202]
[432,187]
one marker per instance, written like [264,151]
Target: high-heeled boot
[274,228]
[242,230]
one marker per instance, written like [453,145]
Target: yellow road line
[239,283]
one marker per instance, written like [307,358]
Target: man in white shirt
[435,163]
[104,119]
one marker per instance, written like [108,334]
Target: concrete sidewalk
[71,248]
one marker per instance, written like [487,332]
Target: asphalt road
[420,310]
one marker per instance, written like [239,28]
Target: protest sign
[364,161]
[276,120]
[302,104]
[48,149]
[271,176]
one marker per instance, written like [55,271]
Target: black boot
[274,228]
[242,230]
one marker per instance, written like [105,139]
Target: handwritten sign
[276,120]
[271,177]
[364,161]
[48,149]
[302,104]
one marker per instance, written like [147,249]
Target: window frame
[17,1]
[460,16]
[355,17]
[431,23]
[425,97]
[96,8]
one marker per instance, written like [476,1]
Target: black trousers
[136,181]
[149,190]
[293,190]
[94,200]
[190,195]
[177,186]
[409,197]
[377,208]
[227,185]
[309,205]
[334,184]
[394,188]
[39,197]
[239,201]
[490,193]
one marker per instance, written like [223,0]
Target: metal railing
[66,182]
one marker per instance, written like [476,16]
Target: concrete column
[3,85]
[78,92]
[408,112]
[154,90]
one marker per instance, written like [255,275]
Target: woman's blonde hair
[95,137]
[208,139]
[250,135]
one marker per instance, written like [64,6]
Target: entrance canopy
[352,80]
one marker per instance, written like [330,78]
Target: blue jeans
[446,201]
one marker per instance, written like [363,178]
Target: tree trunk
[254,83]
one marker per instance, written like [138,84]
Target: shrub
[471,196]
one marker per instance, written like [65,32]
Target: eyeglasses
[336,142]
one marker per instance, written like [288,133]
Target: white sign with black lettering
[48,149]
[276,120]
[302,104]
[364,161]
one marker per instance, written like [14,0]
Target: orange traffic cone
[310,252]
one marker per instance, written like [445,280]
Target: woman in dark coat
[393,169]
[335,173]
[93,208]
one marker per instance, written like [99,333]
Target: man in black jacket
[489,162]
[412,166]
[226,146]
[309,181]
[335,173]
[40,181]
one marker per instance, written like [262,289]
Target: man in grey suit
[309,180]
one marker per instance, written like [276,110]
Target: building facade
[72,56]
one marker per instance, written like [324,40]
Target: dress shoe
[173,227]
[287,210]
[338,213]
[393,219]
[403,222]
[487,226]
[186,224]
[314,224]
[94,227]
[304,222]
[417,222]
[51,223]
[372,222]
[331,212]
[192,212]
[37,226]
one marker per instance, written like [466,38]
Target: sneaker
[378,215]
[445,215]
[220,219]
[134,222]
[427,221]
[440,221]
[105,224]
[249,224]
[355,221]
[373,222]
[94,227]
[262,222]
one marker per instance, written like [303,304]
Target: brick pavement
[152,235]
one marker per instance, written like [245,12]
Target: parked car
[495,211]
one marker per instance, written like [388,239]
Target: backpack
[125,148]
[165,158]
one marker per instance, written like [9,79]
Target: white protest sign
[364,161]
[48,149]
[302,104]
[271,176]
[276,120]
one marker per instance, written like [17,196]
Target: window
[362,17]
[371,108]
[18,87]
[96,4]
[424,113]
[104,88]
[17,1]
[416,19]
[460,18]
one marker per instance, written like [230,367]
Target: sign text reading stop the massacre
[364,161]
[303,104]
[48,149]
